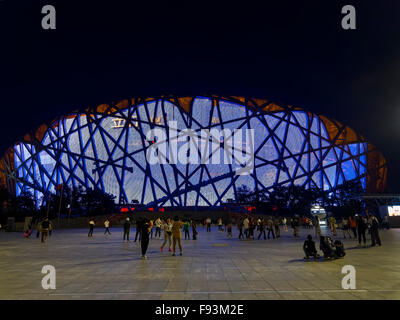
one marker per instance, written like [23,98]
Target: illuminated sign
[394,211]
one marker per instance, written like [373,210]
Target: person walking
[138,229]
[107,226]
[353,226]
[284,224]
[332,221]
[45,229]
[220,225]
[127,229]
[167,235]
[277,229]
[91,228]
[261,228]
[240,228]
[186,227]
[144,241]
[346,228]
[194,229]
[369,222]
[361,229]
[251,228]
[158,224]
[229,229]
[385,222]
[208,222]
[50,228]
[317,228]
[258,224]
[38,227]
[151,225]
[270,227]
[246,223]
[295,226]
[375,239]
[306,222]
[176,235]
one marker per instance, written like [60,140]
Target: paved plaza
[213,267]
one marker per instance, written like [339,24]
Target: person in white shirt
[246,227]
[167,235]
[107,226]
[158,224]
[220,225]
[208,221]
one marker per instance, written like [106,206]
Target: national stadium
[106,147]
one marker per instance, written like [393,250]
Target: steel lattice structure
[104,147]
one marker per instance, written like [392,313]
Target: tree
[25,202]
[4,197]
[97,202]
[244,194]
[346,199]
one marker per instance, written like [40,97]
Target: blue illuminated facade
[106,147]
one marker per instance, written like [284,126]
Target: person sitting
[326,247]
[339,249]
[309,248]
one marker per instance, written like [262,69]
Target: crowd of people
[353,227]
[171,228]
[43,227]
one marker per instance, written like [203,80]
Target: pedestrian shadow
[102,262]
[311,260]
[356,247]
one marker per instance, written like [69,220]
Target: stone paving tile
[172,296]
[293,295]
[180,285]
[218,286]
[260,285]
[316,296]
[269,296]
[240,286]
[196,296]
[213,267]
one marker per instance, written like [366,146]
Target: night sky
[291,52]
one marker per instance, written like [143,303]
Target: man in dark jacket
[138,229]
[361,228]
[375,232]
[127,229]
[144,237]
[45,229]
[295,226]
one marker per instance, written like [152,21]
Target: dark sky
[292,52]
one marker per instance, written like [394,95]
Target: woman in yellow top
[176,234]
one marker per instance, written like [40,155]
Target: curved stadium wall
[105,147]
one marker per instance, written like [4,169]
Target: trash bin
[10,224]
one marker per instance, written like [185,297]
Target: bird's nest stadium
[106,147]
